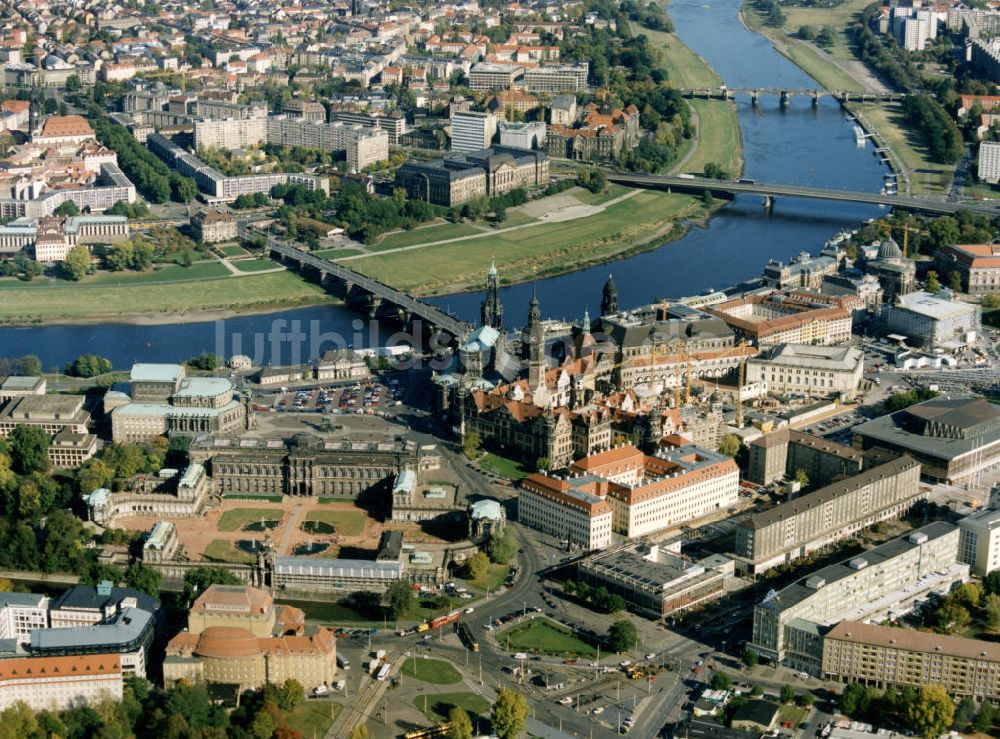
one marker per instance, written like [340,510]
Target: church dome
[888,250]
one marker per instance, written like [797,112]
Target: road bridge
[786,94]
[380,300]
[769,191]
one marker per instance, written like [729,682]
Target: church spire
[609,297]
[534,312]
[491,310]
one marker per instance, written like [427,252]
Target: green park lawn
[837,18]
[791,713]
[828,75]
[437,706]
[237,518]
[346,522]
[503,466]
[221,550]
[171,273]
[254,265]
[425,235]
[687,69]
[66,301]
[435,671]
[313,718]
[587,197]
[490,580]
[233,250]
[538,251]
[541,636]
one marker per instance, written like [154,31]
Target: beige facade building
[784,452]
[979,545]
[51,413]
[978,265]
[60,683]
[782,319]
[881,656]
[816,371]
[574,512]
[213,226]
[793,529]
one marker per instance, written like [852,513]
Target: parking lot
[361,398]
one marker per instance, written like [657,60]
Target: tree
[787,694]
[29,449]
[932,712]
[18,721]
[757,691]
[991,583]
[77,263]
[801,477]
[851,698]
[476,565]
[807,699]
[542,464]
[471,443]
[622,635]
[501,547]
[721,681]
[933,283]
[991,605]
[88,365]
[952,618]
[750,658]
[143,577]
[985,719]
[510,714]
[67,208]
[461,724]
[399,598]
[729,445]
[955,281]
[964,713]
[707,199]
[73,83]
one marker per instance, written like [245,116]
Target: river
[800,144]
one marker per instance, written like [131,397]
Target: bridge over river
[786,94]
[769,191]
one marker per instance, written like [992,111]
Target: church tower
[491,311]
[536,346]
[609,298]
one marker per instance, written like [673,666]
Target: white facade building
[989,162]
[566,511]
[57,683]
[472,131]
[807,369]
[979,543]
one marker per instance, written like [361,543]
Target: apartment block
[489,76]
[58,683]
[885,582]
[979,544]
[793,529]
[881,656]
[472,131]
[784,452]
[556,78]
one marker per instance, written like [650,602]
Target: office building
[885,582]
[554,78]
[932,322]
[492,76]
[572,510]
[16,387]
[50,238]
[59,683]
[979,543]
[807,370]
[977,264]
[237,636]
[793,529]
[955,439]
[472,131]
[784,319]
[782,453]
[883,656]
[51,413]
[21,614]
[655,582]
[526,135]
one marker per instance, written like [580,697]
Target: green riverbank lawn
[60,300]
[926,177]
[534,251]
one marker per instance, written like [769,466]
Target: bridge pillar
[755,98]
[785,98]
[726,94]
[373,305]
[768,203]
[845,97]
[815,98]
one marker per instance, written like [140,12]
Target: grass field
[61,301]
[221,550]
[348,523]
[538,251]
[826,74]
[719,137]
[437,706]
[587,197]
[435,671]
[424,235]
[837,19]
[490,580]
[237,518]
[335,614]
[232,250]
[926,177]
[313,718]
[173,272]
[503,466]
[793,714]
[541,636]
[254,265]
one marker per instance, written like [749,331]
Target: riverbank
[44,302]
[718,138]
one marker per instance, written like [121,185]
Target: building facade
[979,543]
[784,452]
[804,369]
[573,512]
[978,265]
[932,322]
[213,226]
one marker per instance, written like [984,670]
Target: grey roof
[799,591]
[21,383]
[86,597]
[889,249]
[127,626]
[24,600]
[145,372]
[339,568]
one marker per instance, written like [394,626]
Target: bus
[465,634]
[343,663]
[383,673]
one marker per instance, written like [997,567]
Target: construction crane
[740,379]
[905,227]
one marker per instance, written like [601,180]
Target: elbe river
[800,144]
